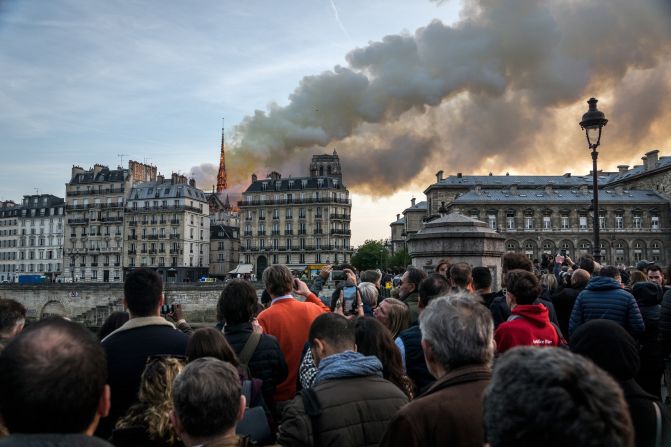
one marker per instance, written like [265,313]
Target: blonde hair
[549,281]
[155,400]
[398,318]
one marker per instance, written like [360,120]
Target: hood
[647,293]
[608,345]
[537,314]
[348,364]
[602,283]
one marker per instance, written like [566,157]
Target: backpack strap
[658,425]
[247,391]
[249,348]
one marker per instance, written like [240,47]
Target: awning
[242,269]
[299,267]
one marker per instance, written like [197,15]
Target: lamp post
[592,123]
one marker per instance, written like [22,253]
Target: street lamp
[592,123]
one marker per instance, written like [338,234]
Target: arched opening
[53,309]
[261,264]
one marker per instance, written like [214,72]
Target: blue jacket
[604,298]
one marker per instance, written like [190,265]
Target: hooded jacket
[528,325]
[604,298]
[355,405]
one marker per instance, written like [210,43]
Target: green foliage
[370,255]
[400,259]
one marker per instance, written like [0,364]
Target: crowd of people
[563,354]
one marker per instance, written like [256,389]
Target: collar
[280,298]
[137,322]
[458,376]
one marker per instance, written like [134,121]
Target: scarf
[348,364]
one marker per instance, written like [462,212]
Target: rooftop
[166,190]
[638,196]
[296,184]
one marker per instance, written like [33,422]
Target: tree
[370,255]
[400,259]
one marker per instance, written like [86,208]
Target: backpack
[254,423]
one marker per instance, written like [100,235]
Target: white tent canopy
[242,269]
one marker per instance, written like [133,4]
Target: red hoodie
[528,325]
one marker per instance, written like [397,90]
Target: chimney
[458,174]
[398,216]
[97,168]
[619,190]
[76,170]
[651,159]
[548,189]
[254,178]
[412,201]
[621,169]
[439,175]
[645,162]
[478,189]
[192,182]
[513,189]
[160,179]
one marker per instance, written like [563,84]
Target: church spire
[221,176]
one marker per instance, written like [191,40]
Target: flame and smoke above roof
[500,89]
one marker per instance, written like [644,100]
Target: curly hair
[155,400]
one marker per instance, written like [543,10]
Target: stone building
[40,236]
[224,249]
[552,214]
[9,229]
[297,221]
[93,244]
[167,228]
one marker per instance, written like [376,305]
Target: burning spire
[221,176]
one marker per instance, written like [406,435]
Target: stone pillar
[457,238]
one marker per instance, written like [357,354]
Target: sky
[400,88]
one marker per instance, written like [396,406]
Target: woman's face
[381,313]
[442,269]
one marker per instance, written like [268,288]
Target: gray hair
[206,397]
[553,397]
[369,293]
[459,329]
[371,276]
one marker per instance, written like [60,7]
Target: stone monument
[457,238]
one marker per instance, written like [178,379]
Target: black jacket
[563,302]
[415,364]
[665,322]
[267,362]
[127,350]
[52,440]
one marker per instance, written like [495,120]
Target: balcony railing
[336,231]
[245,203]
[78,221]
[95,192]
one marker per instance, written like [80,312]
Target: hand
[340,305]
[559,259]
[569,260]
[351,277]
[359,304]
[177,313]
[325,272]
[256,326]
[301,288]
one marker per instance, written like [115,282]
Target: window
[529,223]
[547,224]
[637,222]
[492,221]
[619,222]
[602,222]
[654,223]
[583,222]
[510,223]
[564,223]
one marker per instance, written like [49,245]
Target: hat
[642,265]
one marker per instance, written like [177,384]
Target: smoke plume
[500,90]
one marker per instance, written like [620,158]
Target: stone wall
[77,300]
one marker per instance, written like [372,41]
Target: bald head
[580,278]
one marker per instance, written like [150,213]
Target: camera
[349,298]
[338,275]
[167,309]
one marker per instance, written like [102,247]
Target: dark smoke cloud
[503,88]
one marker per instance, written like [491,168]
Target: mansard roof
[522,196]
[296,184]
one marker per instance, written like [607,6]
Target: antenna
[37,191]
[121,156]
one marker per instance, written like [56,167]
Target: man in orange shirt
[289,321]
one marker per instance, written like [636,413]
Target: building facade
[553,214]
[9,228]
[40,238]
[167,228]
[94,226]
[297,221]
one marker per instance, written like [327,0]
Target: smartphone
[349,297]
[338,275]
[563,252]
[167,309]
